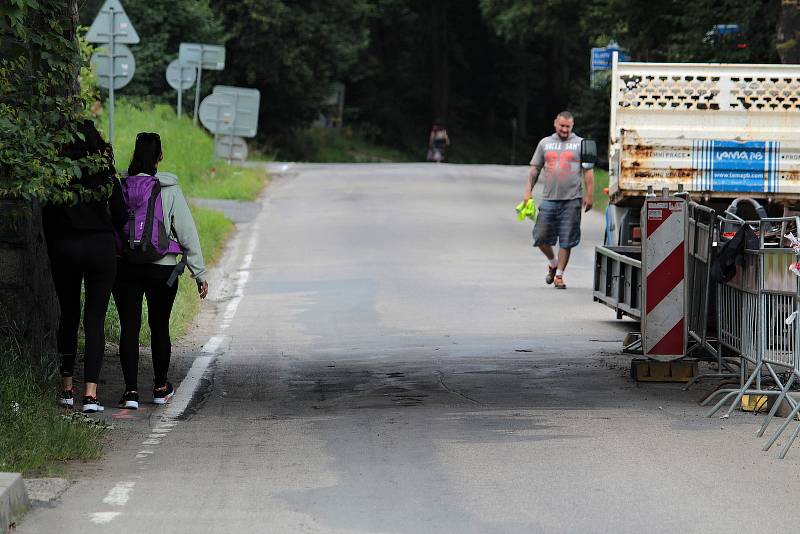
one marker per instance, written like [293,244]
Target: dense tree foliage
[39,98]
[292,52]
[495,70]
[40,103]
[523,61]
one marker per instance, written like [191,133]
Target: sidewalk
[13,500]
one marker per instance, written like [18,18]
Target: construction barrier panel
[664,277]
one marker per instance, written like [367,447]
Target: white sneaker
[90,405]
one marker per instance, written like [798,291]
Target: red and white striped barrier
[664,272]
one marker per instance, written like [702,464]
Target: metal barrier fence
[699,250]
[702,235]
[617,279]
[756,318]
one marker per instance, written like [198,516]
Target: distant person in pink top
[437,141]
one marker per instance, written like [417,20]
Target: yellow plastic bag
[526,209]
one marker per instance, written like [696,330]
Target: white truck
[716,131]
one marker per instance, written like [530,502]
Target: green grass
[322,145]
[600,183]
[188,152]
[213,228]
[36,434]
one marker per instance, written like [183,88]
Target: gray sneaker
[551,275]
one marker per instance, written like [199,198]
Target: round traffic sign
[123,66]
[180,77]
[218,113]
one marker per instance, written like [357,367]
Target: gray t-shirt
[560,162]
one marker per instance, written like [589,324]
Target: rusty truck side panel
[719,130]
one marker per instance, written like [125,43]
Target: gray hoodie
[180,226]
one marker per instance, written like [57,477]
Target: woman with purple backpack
[160,227]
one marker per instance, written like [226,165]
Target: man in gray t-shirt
[559,219]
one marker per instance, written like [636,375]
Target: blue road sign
[601,57]
[726,29]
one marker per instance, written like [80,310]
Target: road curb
[13,500]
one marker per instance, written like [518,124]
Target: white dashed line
[103,517]
[121,493]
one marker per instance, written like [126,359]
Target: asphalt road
[381,354]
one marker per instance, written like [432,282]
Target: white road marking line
[119,494]
[213,344]
[189,385]
[102,517]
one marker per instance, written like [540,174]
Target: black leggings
[149,281]
[89,257]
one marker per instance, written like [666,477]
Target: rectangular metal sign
[247,102]
[209,57]
[601,57]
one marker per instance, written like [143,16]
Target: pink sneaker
[558,281]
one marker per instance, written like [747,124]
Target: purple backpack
[144,236]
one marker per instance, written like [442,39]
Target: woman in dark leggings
[137,281]
[80,243]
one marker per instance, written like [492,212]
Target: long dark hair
[89,142]
[146,154]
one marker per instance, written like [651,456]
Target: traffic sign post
[246,104]
[201,56]
[600,60]
[115,67]
[217,112]
[231,148]
[180,77]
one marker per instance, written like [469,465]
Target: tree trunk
[441,66]
[522,91]
[28,305]
[788,32]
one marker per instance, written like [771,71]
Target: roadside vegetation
[600,193]
[37,434]
[328,145]
[188,153]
